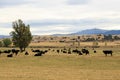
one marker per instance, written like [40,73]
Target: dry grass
[49,44]
[53,66]
[58,44]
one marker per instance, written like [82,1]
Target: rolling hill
[4,36]
[83,32]
[97,31]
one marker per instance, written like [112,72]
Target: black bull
[107,52]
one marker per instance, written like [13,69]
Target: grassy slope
[54,66]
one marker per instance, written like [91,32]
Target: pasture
[54,66]
[70,44]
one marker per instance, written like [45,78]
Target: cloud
[74,22]
[105,5]
[7,3]
[5,25]
[57,26]
[77,2]
[5,30]
[60,16]
[33,3]
[56,29]
[70,26]
[53,22]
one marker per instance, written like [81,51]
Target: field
[53,66]
[69,44]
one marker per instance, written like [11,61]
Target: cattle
[35,50]
[64,51]
[58,51]
[95,51]
[38,54]
[77,51]
[61,50]
[53,50]
[85,51]
[69,52]
[7,51]
[49,49]
[64,48]
[45,51]
[107,52]
[0,52]
[10,55]
[26,53]
[15,51]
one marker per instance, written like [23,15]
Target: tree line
[106,38]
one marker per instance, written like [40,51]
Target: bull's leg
[105,54]
[111,54]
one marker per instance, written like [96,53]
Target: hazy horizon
[60,16]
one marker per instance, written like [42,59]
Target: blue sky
[60,16]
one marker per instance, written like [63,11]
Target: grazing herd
[69,51]
[82,51]
[38,52]
[10,53]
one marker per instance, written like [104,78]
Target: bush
[1,44]
[7,42]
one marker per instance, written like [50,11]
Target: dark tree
[116,38]
[21,36]
[90,39]
[108,37]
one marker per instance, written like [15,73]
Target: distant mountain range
[83,32]
[4,36]
[97,31]
[92,31]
